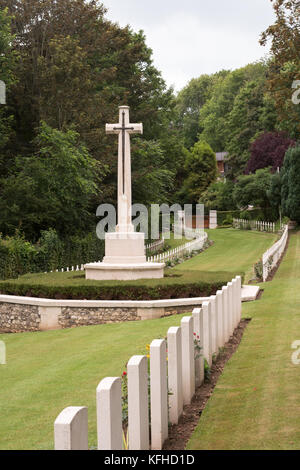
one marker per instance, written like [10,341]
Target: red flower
[124,373]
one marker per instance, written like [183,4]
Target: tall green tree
[284,69]
[254,190]
[290,190]
[201,170]
[76,68]
[8,60]
[189,102]
[51,188]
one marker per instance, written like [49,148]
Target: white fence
[271,257]
[196,244]
[155,246]
[254,225]
[173,381]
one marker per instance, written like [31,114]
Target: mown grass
[256,403]
[234,252]
[48,371]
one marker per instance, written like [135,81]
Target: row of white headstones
[176,370]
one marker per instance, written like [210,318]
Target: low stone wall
[21,314]
[70,317]
[17,317]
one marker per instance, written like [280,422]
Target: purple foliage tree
[268,150]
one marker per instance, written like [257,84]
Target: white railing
[196,244]
[155,246]
[173,381]
[271,257]
[254,225]
[199,239]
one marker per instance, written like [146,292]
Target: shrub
[73,285]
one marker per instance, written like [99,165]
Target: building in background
[221,162]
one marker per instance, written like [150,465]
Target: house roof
[220,156]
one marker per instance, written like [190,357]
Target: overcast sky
[192,37]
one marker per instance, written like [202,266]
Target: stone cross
[124,128]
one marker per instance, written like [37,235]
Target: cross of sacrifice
[124,128]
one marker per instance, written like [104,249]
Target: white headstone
[225,313]
[188,360]
[109,414]
[213,219]
[159,393]
[175,374]
[220,322]
[138,416]
[71,429]
[204,332]
[199,362]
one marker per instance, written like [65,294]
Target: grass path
[233,250]
[256,403]
[48,371]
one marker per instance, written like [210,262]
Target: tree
[253,190]
[152,181]
[8,60]
[250,115]
[284,69]
[201,170]
[268,150]
[52,188]
[190,100]
[237,111]
[75,69]
[290,190]
[218,196]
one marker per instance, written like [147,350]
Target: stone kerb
[185,371]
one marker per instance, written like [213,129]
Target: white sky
[192,37]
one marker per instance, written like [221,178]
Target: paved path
[256,403]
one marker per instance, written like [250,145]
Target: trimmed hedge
[18,256]
[179,284]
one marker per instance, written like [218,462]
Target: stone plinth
[124,260]
[124,248]
[124,272]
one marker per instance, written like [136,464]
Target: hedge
[187,284]
[18,256]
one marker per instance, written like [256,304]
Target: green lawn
[48,371]
[256,403]
[233,250]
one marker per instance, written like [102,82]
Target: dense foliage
[290,190]
[268,150]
